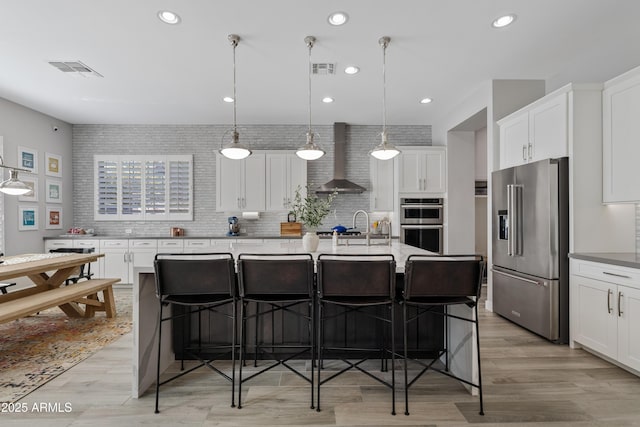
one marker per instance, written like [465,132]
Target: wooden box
[290,229]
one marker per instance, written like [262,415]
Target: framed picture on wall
[33,195]
[53,164]
[54,191]
[54,217]
[27,218]
[28,159]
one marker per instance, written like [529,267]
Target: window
[143,188]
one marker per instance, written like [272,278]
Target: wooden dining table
[47,271]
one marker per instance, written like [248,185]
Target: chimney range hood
[339,184]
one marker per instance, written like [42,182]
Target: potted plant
[311,210]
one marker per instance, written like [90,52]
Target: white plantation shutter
[144,188]
[107,187]
[131,174]
[179,187]
[154,187]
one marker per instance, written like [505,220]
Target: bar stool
[197,282]
[353,282]
[432,282]
[281,282]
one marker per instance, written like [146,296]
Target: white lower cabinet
[605,310]
[115,262]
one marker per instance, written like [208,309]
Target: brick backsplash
[202,141]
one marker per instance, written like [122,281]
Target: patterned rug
[38,348]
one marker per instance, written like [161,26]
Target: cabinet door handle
[620,312]
[616,275]
[524,152]
[530,150]
[609,293]
[124,257]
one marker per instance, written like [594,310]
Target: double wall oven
[421,223]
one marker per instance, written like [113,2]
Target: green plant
[311,209]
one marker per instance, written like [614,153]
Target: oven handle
[421,227]
[421,206]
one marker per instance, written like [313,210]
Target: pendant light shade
[13,186]
[384,150]
[310,151]
[234,150]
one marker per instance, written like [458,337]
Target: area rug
[38,348]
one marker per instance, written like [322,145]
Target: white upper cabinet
[382,195]
[621,145]
[240,184]
[536,132]
[285,172]
[422,169]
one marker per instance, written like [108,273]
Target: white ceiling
[160,74]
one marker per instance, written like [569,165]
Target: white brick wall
[203,141]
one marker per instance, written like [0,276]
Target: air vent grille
[323,68]
[76,67]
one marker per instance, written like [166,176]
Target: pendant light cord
[234,43]
[309,40]
[384,41]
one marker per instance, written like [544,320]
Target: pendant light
[234,150]
[385,150]
[310,151]
[13,186]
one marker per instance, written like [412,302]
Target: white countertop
[400,251]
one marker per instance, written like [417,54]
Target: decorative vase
[310,241]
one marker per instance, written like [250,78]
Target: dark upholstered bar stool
[432,282]
[282,283]
[198,282]
[353,283]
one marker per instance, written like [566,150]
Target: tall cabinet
[240,184]
[621,146]
[285,172]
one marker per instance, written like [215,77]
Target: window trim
[143,215]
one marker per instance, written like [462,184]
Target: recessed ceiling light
[327,100]
[351,69]
[503,21]
[426,101]
[227,99]
[169,17]
[338,18]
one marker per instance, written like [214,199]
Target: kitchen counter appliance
[421,223]
[530,223]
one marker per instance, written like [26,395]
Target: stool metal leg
[242,350]
[393,360]
[477,322]
[319,350]
[159,354]
[233,353]
[406,356]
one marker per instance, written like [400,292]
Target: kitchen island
[145,310]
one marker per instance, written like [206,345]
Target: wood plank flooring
[527,380]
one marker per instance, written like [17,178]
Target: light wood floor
[527,382]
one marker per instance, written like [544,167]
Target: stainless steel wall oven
[421,223]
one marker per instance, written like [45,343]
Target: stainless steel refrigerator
[530,228]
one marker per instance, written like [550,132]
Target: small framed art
[28,159]
[54,191]
[53,164]
[54,217]
[33,195]
[27,218]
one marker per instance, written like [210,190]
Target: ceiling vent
[75,68]
[323,68]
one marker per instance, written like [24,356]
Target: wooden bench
[78,293]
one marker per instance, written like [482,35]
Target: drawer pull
[609,293]
[616,275]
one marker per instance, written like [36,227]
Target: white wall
[24,127]
[460,195]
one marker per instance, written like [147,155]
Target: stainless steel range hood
[339,183]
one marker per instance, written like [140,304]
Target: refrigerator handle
[514,206]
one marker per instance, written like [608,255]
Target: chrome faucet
[366,215]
